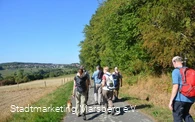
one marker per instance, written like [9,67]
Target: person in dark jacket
[79,92]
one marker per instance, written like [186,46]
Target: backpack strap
[183,73]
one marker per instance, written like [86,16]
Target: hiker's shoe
[106,112]
[116,97]
[78,115]
[84,117]
[113,111]
[86,103]
[96,103]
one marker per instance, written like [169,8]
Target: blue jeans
[181,111]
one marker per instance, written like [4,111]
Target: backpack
[116,77]
[81,83]
[110,82]
[86,73]
[188,82]
[100,74]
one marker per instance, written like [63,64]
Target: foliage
[139,36]
[1,68]
[167,29]
[8,80]
[1,77]
[21,76]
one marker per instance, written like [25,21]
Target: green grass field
[8,72]
[57,98]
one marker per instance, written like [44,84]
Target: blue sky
[43,31]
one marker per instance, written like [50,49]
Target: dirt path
[124,113]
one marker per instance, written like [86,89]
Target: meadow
[8,72]
[27,93]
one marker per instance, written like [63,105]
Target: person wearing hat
[179,104]
[118,83]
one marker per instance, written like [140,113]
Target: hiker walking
[80,85]
[107,91]
[88,83]
[97,76]
[179,104]
[117,82]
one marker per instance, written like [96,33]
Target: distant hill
[16,65]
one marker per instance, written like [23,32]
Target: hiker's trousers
[181,111]
[98,93]
[107,98]
[80,103]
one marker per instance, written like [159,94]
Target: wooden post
[45,84]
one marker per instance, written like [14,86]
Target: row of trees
[19,65]
[140,35]
[21,76]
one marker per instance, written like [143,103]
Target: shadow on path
[124,112]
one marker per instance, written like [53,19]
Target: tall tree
[168,29]
[140,35]
[19,76]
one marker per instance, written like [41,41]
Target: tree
[51,74]
[113,38]
[167,29]
[1,68]
[19,76]
[9,80]
[139,35]
[1,77]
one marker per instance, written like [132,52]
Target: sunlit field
[27,93]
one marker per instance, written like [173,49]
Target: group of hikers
[106,88]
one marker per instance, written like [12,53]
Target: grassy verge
[151,94]
[56,99]
[158,113]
